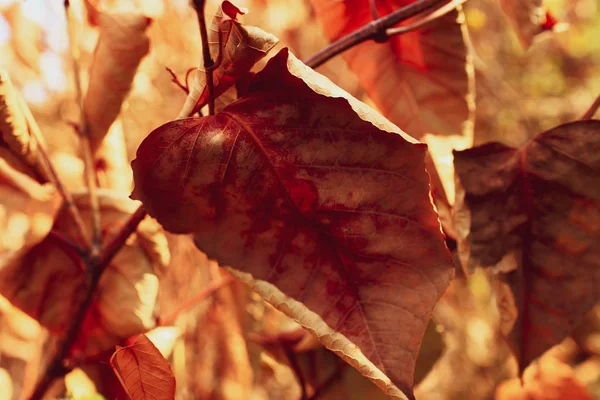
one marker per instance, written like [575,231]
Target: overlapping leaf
[15,134]
[45,281]
[533,214]
[319,204]
[143,371]
[27,209]
[420,80]
[239,46]
[122,44]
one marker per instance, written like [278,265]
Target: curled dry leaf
[533,214]
[14,129]
[528,17]
[317,202]
[47,282]
[241,47]
[143,371]
[422,81]
[122,44]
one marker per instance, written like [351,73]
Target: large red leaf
[533,214]
[143,371]
[421,81]
[319,204]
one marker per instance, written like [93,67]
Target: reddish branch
[83,131]
[374,30]
[589,114]
[59,365]
[208,62]
[209,290]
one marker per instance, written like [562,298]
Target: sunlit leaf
[14,129]
[533,215]
[241,47]
[47,283]
[422,80]
[319,204]
[143,371]
[27,209]
[122,44]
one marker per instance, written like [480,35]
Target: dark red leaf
[143,371]
[533,214]
[319,204]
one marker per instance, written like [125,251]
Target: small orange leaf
[143,371]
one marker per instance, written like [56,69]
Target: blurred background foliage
[218,348]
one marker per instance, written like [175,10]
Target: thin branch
[374,30]
[440,12]
[70,248]
[83,130]
[176,81]
[118,240]
[208,63]
[589,114]
[53,176]
[373,7]
[208,291]
[58,366]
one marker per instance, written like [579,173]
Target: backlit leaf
[27,210]
[143,371]
[420,80]
[122,44]
[241,47]
[533,214]
[47,283]
[317,202]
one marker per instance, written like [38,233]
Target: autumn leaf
[46,281]
[15,132]
[143,371]
[240,47]
[533,216]
[27,210]
[317,202]
[529,18]
[422,81]
[122,44]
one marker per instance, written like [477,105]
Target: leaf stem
[53,177]
[589,114]
[208,290]
[375,30]
[208,62]
[86,148]
[440,12]
[58,366]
